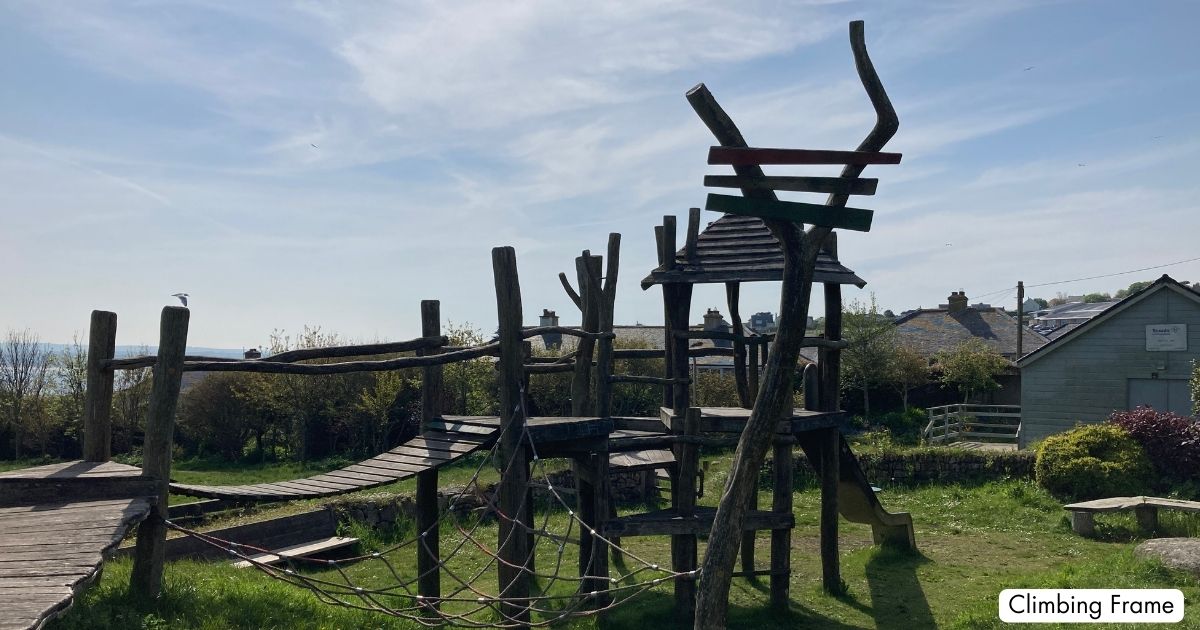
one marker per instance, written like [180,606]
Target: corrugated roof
[741,249]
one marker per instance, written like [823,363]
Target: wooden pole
[587,268]
[781,539]
[740,378]
[693,233]
[830,365]
[1020,317]
[683,494]
[97,405]
[514,577]
[429,581]
[146,578]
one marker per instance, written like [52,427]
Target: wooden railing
[973,423]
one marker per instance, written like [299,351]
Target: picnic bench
[1144,508]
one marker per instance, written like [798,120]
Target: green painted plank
[847,218]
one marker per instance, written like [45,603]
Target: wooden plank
[396,467]
[483,421]
[843,185]
[298,551]
[744,156]
[443,442]
[669,523]
[460,430]
[417,462]
[856,219]
[425,453]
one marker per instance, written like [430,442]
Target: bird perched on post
[182,297]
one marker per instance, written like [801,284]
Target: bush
[905,426]
[1092,462]
[1172,441]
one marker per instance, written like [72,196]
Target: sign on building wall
[1166,337]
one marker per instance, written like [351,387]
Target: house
[1138,351]
[930,331]
[933,330]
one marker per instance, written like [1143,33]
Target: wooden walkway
[50,551]
[449,439]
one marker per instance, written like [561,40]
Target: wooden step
[298,551]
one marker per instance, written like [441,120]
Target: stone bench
[1145,509]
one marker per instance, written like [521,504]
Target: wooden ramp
[449,439]
[50,551]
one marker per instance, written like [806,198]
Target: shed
[1138,352]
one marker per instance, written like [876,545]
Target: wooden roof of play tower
[741,249]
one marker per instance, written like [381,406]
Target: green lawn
[974,540]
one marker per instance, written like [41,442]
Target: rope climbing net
[556,596]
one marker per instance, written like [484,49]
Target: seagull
[182,297]
[312,145]
[1082,164]
[1027,68]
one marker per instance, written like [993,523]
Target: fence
[973,423]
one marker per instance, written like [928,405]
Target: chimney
[713,322]
[550,340]
[252,353]
[957,302]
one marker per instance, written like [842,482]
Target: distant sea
[129,351]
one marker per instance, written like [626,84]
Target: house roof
[741,249]
[1164,283]
[930,330]
[1077,310]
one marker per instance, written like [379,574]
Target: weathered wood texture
[444,443]
[683,502]
[512,544]
[270,367]
[51,552]
[146,576]
[429,577]
[741,249]
[276,533]
[856,219]
[864,186]
[800,251]
[97,404]
[76,480]
[744,156]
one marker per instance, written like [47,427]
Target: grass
[975,540]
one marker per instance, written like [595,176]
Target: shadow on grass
[897,600]
[656,610]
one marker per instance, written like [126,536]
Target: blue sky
[154,147]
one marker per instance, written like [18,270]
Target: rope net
[555,595]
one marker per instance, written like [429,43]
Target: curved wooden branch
[562,277]
[273,367]
[886,120]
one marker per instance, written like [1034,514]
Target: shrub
[1172,441]
[905,426]
[1092,462]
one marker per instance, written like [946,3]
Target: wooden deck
[51,550]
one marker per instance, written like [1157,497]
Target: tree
[1059,299]
[871,346]
[70,384]
[1131,289]
[971,367]
[1092,298]
[909,369]
[24,370]
[1042,303]
[131,402]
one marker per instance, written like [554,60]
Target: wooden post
[587,268]
[146,578]
[831,571]
[683,495]
[599,572]
[693,233]
[604,351]
[741,380]
[752,375]
[429,580]
[97,405]
[1020,317]
[781,539]
[514,577]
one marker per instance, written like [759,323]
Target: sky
[331,164]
